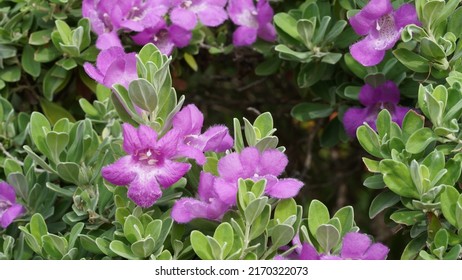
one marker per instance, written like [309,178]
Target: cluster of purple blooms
[169,23]
[153,163]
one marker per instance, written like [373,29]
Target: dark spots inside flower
[160,36]
[386,31]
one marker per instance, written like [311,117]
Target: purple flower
[113,66]
[148,166]
[108,16]
[385,96]
[253,21]
[164,37]
[358,246]
[251,164]
[207,206]
[9,209]
[355,246]
[382,27]
[209,12]
[189,122]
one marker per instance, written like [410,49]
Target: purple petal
[273,162]
[285,188]
[365,52]
[352,119]
[183,18]
[192,153]
[7,192]
[308,252]
[230,167]
[377,251]
[170,172]
[244,36]
[89,11]
[385,93]
[108,40]
[186,209]
[10,214]
[205,189]
[267,32]
[226,191]
[398,114]
[330,258]
[131,139]
[212,16]
[189,120]
[406,14]
[217,139]
[147,137]
[94,73]
[264,12]
[168,144]
[241,11]
[107,57]
[120,172]
[180,36]
[122,71]
[144,190]
[249,157]
[355,245]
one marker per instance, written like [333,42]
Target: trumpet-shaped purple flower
[189,122]
[9,209]
[108,16]
[207,206]
[251,164]
[382,27]
[164,37]
[355,246]
[385,96]
[209,12]
[253,21]
[113,66]
[148,166]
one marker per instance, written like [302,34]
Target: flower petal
[226,191]
[250,158]
[267,32]
[94,73]
[264,12]
[373,10]
[377,251]
[284,188]
[406,14]
[365,52]
[238,8]
[212,16]
[230,167]
[217,139]
[7,192]
[108,40]
[183,18]
[189,120]
[244,36]
[144,189]
[399,113]
[147,137]
[121,172]
[355,245]
[205,189]
[132,141]
[179,36]
[272,162]
[10,214]
[170,172]
[308,252]
[352,119]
